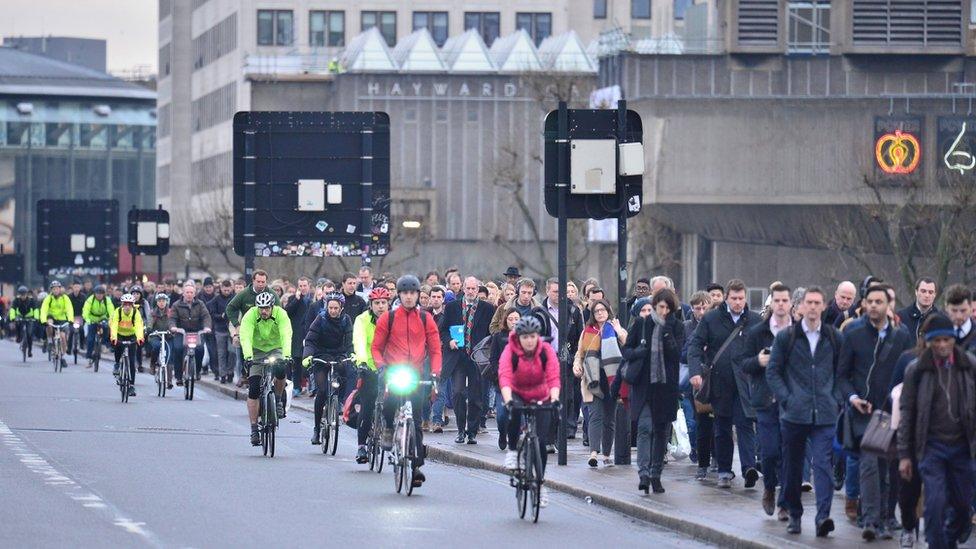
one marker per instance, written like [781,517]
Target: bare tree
[213,237]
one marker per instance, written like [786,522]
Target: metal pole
[159,258]
[622,438]
[562,186]
[132,256]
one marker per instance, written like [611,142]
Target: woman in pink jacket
[529,372]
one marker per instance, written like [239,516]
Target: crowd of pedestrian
[793,388]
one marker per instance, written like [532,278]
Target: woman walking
[653,346]
[596,364]
[499,340]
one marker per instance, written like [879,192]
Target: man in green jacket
[98,308]
[265,335]
[241,303]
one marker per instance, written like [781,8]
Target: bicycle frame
[528,476]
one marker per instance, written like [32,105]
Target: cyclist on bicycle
[24,306]
[98,308]
[141,306]
[126,325]
[157,320]
[406,336]
[189,314]
[329,338]
[265,333]
[363,330]
[528,371]
[56,307]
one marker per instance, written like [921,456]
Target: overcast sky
[129,26]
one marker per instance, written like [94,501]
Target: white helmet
[128,298]
[264,299]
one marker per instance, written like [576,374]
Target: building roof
[467,53]
[418,53]
[515,53]
[368,52]
[23,73]
[565,53]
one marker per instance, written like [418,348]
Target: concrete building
[84,52]
[69,132]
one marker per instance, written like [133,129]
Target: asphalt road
[79,468]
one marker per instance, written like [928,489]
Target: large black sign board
[311,184]
[77,237]
[12,268]
[593,124]
[148,232]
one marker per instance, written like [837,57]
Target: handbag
[879,437]
[704,394]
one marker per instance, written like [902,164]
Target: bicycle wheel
[324,431]
[524,472]
[377,439]
[124,379]
[263,419]
[334,422]
[410,455]
[97,352]
[163,379]
[535,488]
[398,460]
[23,348]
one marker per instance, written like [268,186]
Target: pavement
[79,468]
[727,518]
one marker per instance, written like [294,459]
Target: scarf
[658,374]
[600,348]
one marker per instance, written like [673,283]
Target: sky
[129,26]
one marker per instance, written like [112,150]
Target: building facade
[69,132]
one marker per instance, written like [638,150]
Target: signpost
[311,184]
[77,237]
[594,166]
[148,234]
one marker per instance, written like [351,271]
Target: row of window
[215,107]
[328,28]
[67,135]
[641,9]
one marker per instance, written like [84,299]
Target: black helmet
[528,325]
[135,288]
[21,289]
[408,283]
[100,289]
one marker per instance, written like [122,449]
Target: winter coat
[663,398]
[329,337]
[531,380]
[727,377]
[804,384]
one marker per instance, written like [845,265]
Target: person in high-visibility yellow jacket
[57,307]
[98,308]
[125,326]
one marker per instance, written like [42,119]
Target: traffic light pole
[623,313]
[562,184]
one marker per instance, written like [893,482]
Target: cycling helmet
[379,293]
[100,289]
[128,298]
[264,299]
[528,325]
[135,289]
[162,296]
[335,296]
[22,289]
[408,283]
[55,284]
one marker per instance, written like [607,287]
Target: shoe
[769,501]
[447,420]
[702,473]
[783,515]
[724,482]
[90,364]
[645,482]
[570,436]
[502,440]
[115,369]
[459,439]
[592,461]
[750,476]
[30,354]
[425,426]
[361,456]
[471,439]
[869,533]
[132,391]
[511,460]
[850,509]
[317,435]
[794,526]
[885,533]
[418,478]
[437,429]
[656,485]
[693,456]
[907,539]
[607,461]
[386,441]
[713,468]
[179,382]
[169,385]
[840,470]
[586,442]
[482,430]
[140,369]
[825,527]
[255,436]
[543,496]
[892,524]
[806,487]
[550,449]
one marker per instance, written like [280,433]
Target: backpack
[543,356]
[389,326]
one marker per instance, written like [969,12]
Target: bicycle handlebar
[537,406]
[331,362]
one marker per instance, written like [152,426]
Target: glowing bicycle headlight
[402,380]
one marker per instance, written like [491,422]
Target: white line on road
[73,489]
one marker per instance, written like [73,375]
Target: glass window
[487,23]
[385,21]
[17,135]
[326,28]
[92,135]
[599,9]
[58,135]
[640,9]
[680,7]
[276,28]
[808,27]
[433,21]
[538,25]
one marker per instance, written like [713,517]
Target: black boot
[656,485]
[645,482]
[317,435]
[255,436]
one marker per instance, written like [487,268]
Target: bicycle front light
[402,380]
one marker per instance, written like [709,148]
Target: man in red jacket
[407,336]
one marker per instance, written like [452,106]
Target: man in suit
[729,388]
[467,391]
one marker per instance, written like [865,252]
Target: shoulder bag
[703,395]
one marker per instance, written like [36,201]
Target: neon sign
[897,152]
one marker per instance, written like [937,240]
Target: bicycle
[332,414]
[268,411]
[25,327]
[56,352]
[402,381]
[527,477]
[125,379]
[374,450]
[190,374]
[75,342]
[99,328]
[162,373]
